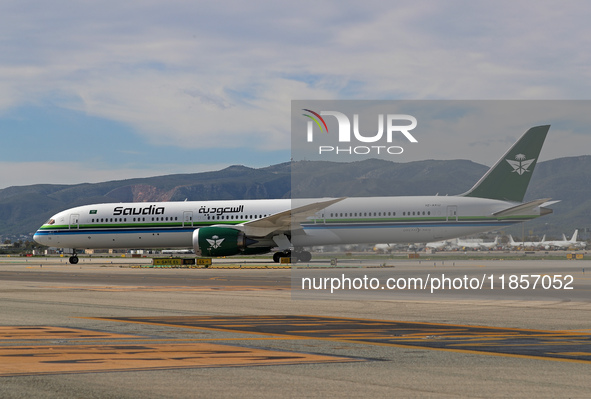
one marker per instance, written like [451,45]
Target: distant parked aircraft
[525,244]
[564,243]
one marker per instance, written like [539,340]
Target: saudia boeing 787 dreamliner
[224,228]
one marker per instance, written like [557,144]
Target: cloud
[222,75]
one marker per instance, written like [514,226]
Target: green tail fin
[508,179]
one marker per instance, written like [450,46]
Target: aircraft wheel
[74,260]
[304,256]
[277,257]
[284,254]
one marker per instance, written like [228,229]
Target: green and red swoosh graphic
[316,118]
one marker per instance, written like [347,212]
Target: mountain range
[23,209]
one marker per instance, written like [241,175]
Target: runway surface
[106,329]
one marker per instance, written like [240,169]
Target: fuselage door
[452,213]
[319,217]
[188,218]
[74,222]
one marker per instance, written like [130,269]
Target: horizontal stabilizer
[521,208]
[550,203]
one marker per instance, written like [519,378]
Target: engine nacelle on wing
[219,241]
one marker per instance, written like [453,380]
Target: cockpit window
[50,221]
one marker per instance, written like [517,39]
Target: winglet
[508,179]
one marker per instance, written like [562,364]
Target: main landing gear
[283,254]
[300,256]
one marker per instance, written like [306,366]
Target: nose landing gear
[74,258]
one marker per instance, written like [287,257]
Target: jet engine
[220,241]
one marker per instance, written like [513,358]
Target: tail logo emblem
[215,242]
[520,164]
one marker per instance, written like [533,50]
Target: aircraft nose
[42,236]
[39,238]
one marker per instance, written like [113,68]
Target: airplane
[468,244]
[490,245]
[383,248]
[438,244]
[564,243]
[225,228]
[477,244]
[525,244]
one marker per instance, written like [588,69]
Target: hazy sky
[102,90]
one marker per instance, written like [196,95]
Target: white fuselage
[350,221]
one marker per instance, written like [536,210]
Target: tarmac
[114,328]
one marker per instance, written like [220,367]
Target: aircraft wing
[282,222]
